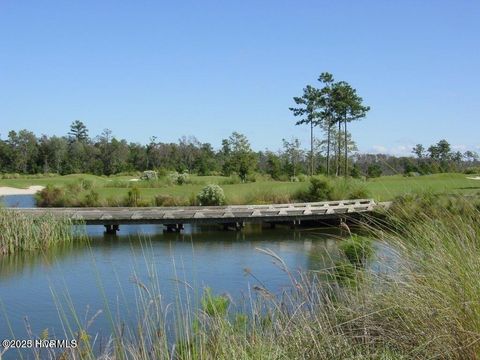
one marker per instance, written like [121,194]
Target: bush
[355,172]
[74,188]
[178,179]
[374,171]
[320,189]
[149,175]
[359,192]
[302,177]
[211,195]
[472,171]
[50,196]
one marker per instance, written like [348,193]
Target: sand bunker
[474,178]
[5,190]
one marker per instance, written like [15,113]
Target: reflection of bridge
[230,216]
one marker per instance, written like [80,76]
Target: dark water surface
[98,275]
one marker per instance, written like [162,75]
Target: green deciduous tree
[293,154]
[238,156]
[419,151]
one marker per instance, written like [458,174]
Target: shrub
[302,177]
[472,170]
[178,179]
[50,196]
[359,192]
[149,175]
[320,189]
[211,195]
[374,171]
[74,188]
[355,171]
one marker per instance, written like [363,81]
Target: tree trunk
[328,149]
[346,149]
[311,148]
[339,148]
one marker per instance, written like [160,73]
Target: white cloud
[379,149]
[398,150]
[460,147]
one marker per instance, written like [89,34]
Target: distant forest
[23,152]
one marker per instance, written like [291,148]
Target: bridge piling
[174,228]
[112,229]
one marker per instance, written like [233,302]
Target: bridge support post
[295,223]
[239,225]
[174,227]
[112,229]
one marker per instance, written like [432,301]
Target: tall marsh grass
[21,232]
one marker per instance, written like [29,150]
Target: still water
[98,275]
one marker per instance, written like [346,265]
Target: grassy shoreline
[20,232]
[111,191]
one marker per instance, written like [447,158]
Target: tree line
[77,152]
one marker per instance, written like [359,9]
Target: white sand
[5,190]
[474,178]
[134,179]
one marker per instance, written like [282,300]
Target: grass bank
[83,189]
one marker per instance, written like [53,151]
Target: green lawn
[388,187]
[382,189]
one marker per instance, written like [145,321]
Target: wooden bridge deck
[112,217]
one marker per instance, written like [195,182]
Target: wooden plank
[210,214]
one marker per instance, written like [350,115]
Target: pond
[36,286]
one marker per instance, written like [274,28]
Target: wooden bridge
[234,216]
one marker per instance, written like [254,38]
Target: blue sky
[206,68]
